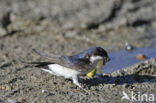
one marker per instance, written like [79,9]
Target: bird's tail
[36,64]
[39,64]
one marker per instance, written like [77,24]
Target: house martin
[72,66]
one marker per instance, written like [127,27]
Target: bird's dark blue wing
[78,63]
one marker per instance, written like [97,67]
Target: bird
[72,66]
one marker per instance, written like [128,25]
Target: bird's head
[97,54]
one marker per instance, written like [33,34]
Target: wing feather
[81,65]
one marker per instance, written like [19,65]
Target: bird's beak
[106,60]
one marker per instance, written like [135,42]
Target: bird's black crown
[100,52]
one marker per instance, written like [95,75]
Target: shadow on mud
[119,80]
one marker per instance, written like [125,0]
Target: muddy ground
[68,27]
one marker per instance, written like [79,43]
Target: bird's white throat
[95,58]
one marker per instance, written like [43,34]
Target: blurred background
[77,24]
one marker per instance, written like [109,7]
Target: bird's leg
[75,81]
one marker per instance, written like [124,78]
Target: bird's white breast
[59,70]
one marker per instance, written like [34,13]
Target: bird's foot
[75,81]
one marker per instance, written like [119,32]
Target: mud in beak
[108,59]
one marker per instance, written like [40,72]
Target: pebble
[68,25]
[2,87]
[102,28]
[43,91]
[8,88]
[128,47]
[140,57]
[83,26]
[70,34]
[20,99]
[2,32]
[5,87]
[12,101]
